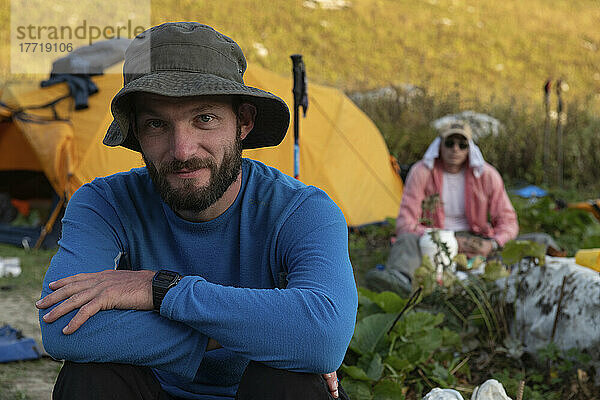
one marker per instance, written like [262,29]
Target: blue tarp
[14,346]
[17,235]
[530,191]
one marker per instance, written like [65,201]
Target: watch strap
[162,281]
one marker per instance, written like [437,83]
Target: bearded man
[203,275]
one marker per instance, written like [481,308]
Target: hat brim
[451,132]
[272,117]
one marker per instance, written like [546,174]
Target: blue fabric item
[530,191]
[80,87]
[15,347]
[231,265]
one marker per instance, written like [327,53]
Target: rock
[403,93]
[535,291]
[327,4]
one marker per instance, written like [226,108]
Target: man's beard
[189,197]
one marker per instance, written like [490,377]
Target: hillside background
[483,48]
[488,56]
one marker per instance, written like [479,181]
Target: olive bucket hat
[184,59]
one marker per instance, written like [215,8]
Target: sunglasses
[462,144]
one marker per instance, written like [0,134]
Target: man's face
[454,151]
[192,148]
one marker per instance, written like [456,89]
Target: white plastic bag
[490,390]
[443,394]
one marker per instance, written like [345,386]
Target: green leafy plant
[516,250]
[572,229]
[388,354]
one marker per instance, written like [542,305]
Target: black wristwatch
[161,283]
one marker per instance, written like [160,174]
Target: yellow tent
[341,151]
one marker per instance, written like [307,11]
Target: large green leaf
[495,270]
[356,373]
[365,295]
[367,303]
[370,331]
[515,250]
[375,368]
[451,338]
[403,364]
[418,322]
[412,353]
[429,341]
[389,302]
[442,376]
[357,390]
[388,390]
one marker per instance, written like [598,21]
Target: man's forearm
[292,329]
[122,336]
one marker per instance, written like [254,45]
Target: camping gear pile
[53,149]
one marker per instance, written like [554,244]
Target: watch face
[161,283]
[164,278]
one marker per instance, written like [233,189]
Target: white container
[430,249]
[10,266]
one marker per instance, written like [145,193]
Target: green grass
[21,380]
[18,379]
[33,265]
[480,48]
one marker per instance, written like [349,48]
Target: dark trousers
[108,381]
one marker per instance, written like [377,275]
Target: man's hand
[332,383]
[93,292]
[473,246]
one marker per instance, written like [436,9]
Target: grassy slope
[482,48]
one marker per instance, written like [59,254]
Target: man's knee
[261,382]
[106,381]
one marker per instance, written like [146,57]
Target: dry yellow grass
[482,48]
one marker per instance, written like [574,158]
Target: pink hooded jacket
[484,196]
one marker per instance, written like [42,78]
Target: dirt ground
[28,379]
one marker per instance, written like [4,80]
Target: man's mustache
[192,164]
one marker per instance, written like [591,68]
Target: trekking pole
[559,138]
[546,156]
[300,99]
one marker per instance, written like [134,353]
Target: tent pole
[300,100]
[50,223]
[546,155]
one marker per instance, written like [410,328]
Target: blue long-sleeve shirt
[231,266]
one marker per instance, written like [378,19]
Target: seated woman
[460,192]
